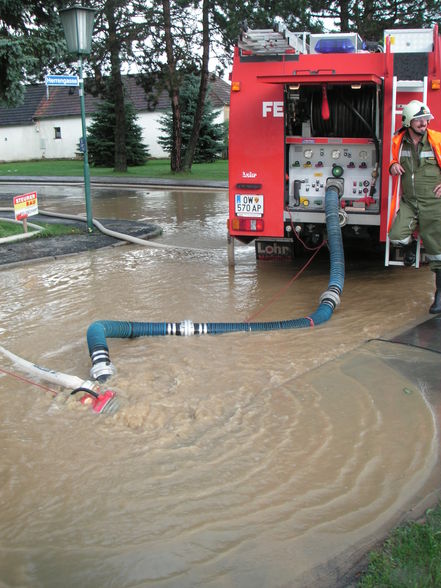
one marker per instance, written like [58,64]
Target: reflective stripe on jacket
[434,138]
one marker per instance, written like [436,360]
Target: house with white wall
[47,125]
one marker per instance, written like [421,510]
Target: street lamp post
[77,23]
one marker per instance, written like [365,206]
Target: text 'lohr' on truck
[308,107]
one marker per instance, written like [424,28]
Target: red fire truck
[307,107]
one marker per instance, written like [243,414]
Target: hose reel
[343,103]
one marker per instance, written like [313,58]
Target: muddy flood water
[259,460]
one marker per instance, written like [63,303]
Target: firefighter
[416,158]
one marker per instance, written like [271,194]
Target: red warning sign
[25,205]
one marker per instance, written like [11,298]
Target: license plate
[249,205]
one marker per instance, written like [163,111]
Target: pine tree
[211,142]
[101,137]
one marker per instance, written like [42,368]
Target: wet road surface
[267,459]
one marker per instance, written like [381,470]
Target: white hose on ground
[100,402]
[110,233]
[138,241]
[116,234]
[20,236]
[45,374]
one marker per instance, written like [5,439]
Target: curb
[117,181]
[20,253]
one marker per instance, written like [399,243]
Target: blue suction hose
[99,331]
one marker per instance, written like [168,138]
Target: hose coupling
[337,184]
[330,297]
[186,328]
[342,217]
[102,368]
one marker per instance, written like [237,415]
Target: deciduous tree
[117,29]
[30,40]
[369,18]
[210,144]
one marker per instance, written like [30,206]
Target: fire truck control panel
[311,163]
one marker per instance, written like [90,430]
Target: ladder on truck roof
[275,41]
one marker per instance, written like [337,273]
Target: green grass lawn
[155,168]
[410,557]
[7,229]
[49,229]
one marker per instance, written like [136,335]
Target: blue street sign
[62,81]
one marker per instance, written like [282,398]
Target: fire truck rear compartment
[331,130]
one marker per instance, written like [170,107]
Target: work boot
[436,306]
[409,254]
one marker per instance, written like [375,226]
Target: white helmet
[415,109]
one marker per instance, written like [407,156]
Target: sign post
[25,205]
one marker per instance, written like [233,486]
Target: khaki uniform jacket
[434,138]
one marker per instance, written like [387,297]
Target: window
[57,132]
